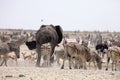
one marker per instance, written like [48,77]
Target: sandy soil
[33,73]
[28,71]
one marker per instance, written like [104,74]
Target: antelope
[28,56]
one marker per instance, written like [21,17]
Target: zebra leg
[89,65]
[62,67]
[115,66]
[108,60]
[5,62]
[84,64]
[16,62]
[94,65]
[70,62]
[112,65]
[2,62]
[58,62]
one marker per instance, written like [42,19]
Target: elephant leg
[52,49]
[38,50]
[51,53]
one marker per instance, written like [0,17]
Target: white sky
[72,15]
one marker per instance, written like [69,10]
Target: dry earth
[33,73]
[28,71]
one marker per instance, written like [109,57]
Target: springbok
[28,56]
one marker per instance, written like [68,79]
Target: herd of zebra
[78,53]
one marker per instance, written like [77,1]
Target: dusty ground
[33,73]
[28,71]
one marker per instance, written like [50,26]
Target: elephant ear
[59,32]
[42,26]
[31,45]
